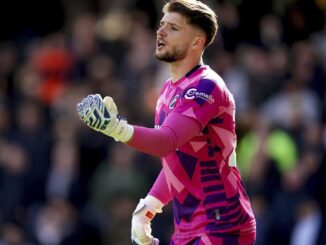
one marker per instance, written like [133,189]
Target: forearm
[176,130]
[160,189]
[157,142]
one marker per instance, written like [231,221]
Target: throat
[178,74]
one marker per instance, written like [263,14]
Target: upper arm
[183,127]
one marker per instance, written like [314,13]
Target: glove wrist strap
[123,131]
[154,205]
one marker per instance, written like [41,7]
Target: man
[194,135]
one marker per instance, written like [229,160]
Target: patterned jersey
[207,191]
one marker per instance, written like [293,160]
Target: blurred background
[62,183]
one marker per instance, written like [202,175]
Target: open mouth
[160,44]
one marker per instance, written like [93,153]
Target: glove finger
[143,236]
[99,112]
[98,96]
[83,110]
[101,106]
[86,102]
[90,121]
[80,110]
[105,124]
[90,97]
[143,242]
[154,241]
[110,105]
[85,105]
[91,101]
[98,102]
[98,119]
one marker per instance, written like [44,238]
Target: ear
[199,42]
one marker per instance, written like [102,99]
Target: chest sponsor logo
[193,93]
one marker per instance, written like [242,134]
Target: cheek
[180,40]
[186,39]
[184,45]
[178,36]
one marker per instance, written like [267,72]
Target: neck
[180,68]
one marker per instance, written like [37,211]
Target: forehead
[174,18]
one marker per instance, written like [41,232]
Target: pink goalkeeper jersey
[207,191]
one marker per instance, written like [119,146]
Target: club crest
[173,101]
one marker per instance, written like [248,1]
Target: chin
[166,59]
[164,56]
[159,56]
[159,53]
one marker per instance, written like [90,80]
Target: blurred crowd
[62,183]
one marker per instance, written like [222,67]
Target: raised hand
[102,115]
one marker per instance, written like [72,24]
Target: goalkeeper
[194,136]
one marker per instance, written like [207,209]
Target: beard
[176,54]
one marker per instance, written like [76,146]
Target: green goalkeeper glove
[102,115]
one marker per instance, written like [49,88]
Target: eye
[174,28]
[160,25]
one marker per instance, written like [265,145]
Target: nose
[160,32]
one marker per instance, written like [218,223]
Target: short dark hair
[197,14]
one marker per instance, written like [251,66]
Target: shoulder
[207,78]
[208,84]
[207,81]
[213,77]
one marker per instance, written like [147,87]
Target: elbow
[164,151]
[168,144]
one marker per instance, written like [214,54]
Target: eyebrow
[170,23]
